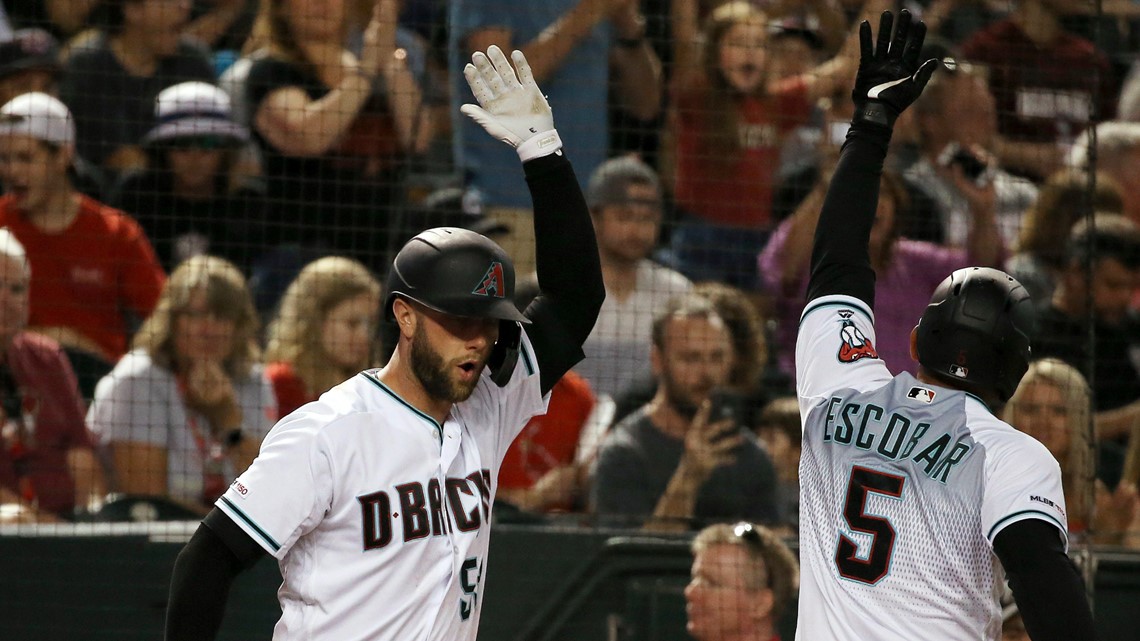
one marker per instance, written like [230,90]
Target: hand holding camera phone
[973,167]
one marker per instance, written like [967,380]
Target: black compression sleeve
[840,262]
[569,271]
[200,583]
[1045,583]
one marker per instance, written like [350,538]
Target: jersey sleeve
[521,399]
[288,488]
[835,348]
[1023,481]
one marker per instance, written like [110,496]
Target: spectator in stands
[185,412]
[624,196]
[1110,248]
[672,465]
[29,62]
[1042,243]
[1049,84]
[543,471]
[579,50]
[1117,156]
[92,266]
[110,80]
[62,18]
[749,374]
[743,580]
[728,124]
[905,268]
[194,196]
[221,25]
[1052,404]
[325,331]
[333,129]
[47,457]
[957,123]
[778,427]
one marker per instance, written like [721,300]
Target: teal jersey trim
[431,421]
[528,361]
[1048,517]
[252,524]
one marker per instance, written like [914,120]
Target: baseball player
[376,498]
[914,496]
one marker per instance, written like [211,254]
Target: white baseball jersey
[377,514]
[904,486]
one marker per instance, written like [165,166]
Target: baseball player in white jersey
[916,501]
[376,499]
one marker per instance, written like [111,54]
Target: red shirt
[1042,94]
[549,440]
[741,196]
[54,415]
[287,387]
[86,276]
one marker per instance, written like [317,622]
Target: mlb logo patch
[959,371]
[921,394]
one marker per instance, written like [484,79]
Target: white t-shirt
[377,514]
[618,348]
[903,487]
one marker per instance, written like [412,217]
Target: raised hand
[890,77]
[511,107]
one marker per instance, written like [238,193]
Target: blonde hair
[295,335]
[227,296]
[773,565]
[1077,461]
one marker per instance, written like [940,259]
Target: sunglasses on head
[747,532]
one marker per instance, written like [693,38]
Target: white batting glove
[511,108]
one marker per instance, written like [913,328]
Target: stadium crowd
[201,200]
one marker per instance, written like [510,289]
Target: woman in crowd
[195,197]
[333,128]
[1042,243]
[185,411]
[1052,405]
[727,127]
[325,332]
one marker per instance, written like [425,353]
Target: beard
[679,399]
[432,372]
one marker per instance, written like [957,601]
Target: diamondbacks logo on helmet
[492,283]
[855,345]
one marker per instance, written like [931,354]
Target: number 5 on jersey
[878,563]
[469,574]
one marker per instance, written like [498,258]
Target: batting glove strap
[540,145]
[874,113]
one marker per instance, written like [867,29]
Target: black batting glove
[889,77]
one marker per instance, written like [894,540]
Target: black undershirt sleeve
[1045,583]
[569,270]
[203,573]
[840,261]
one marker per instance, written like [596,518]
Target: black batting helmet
[455,271]
[459,272]
[975,331]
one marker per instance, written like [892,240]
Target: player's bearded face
[440,376]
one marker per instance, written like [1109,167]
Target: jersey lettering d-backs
[378,515]
[904,486]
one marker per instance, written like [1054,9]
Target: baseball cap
[40,116]
[609,182]
[29,49]
[191,110]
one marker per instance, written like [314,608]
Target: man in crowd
[743,580]
[683,459]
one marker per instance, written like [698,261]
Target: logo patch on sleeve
[921,394]
[856,345]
